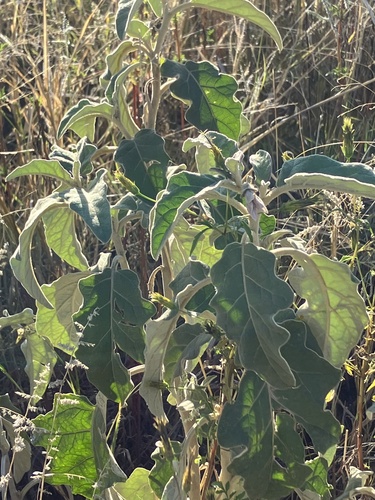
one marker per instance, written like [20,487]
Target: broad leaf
[65,432]
[315,377]
[192,242]
[333,308]
[92,205]
[57,324]
[245,9]
[144,161]
[317,481]
[59,225]
[113,314]
[185,345]
[40,361]
[21,259]
[321,172]
[115,60]
[157,7]
[182,190]
[210,94]
[262,165]
[247,426]
[194,272]
[249,295]
[81,118]
[163,469]
[136,487]
[49,168]
[125,12]
[208,147]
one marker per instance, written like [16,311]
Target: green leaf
[290,452]
[191,274]
[182,190]
[317,481]
[65,432]
[144,161]
[81,118]
[262,165]
[163,469]
[92,205]
[249,294]
[204,156]
[49,168]
[125,12]
[84,154]
[333,308]
[246,428]
[185,344]
[246,10]
[267,224]
[40,361]
[315,377]
[25,317]
[107,468]
[137,486]
[21,259]
[113,314]
[57,324]
[157,7]
[192,241]
[210,94]
[321,172]
[61,237]
[115,60]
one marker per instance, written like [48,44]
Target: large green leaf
[125,12]
[40,361]
[21,259]
[50,168]
[247,426]
[81,118]
[113,314]
[115,60]
[210,94]
[315,377]
[65,432]
[192,241]
[92,205]
[57,324]
[321,172]
[182,190]
[137,487]
[144,161]
[333,308]
[245,9]
[61,237]
[249,294]
[317,481]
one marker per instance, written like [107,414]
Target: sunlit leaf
[65,432]
[81,118]
[333,308]
[49,168]
[61,237]
[210,95]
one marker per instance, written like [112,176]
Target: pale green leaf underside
[40,361]
[61,237]
[49,168]
[137,486]
[81,118]
[21,259]
[334,310]
[25,317]
[329,182]
[57,324]
[245,9]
